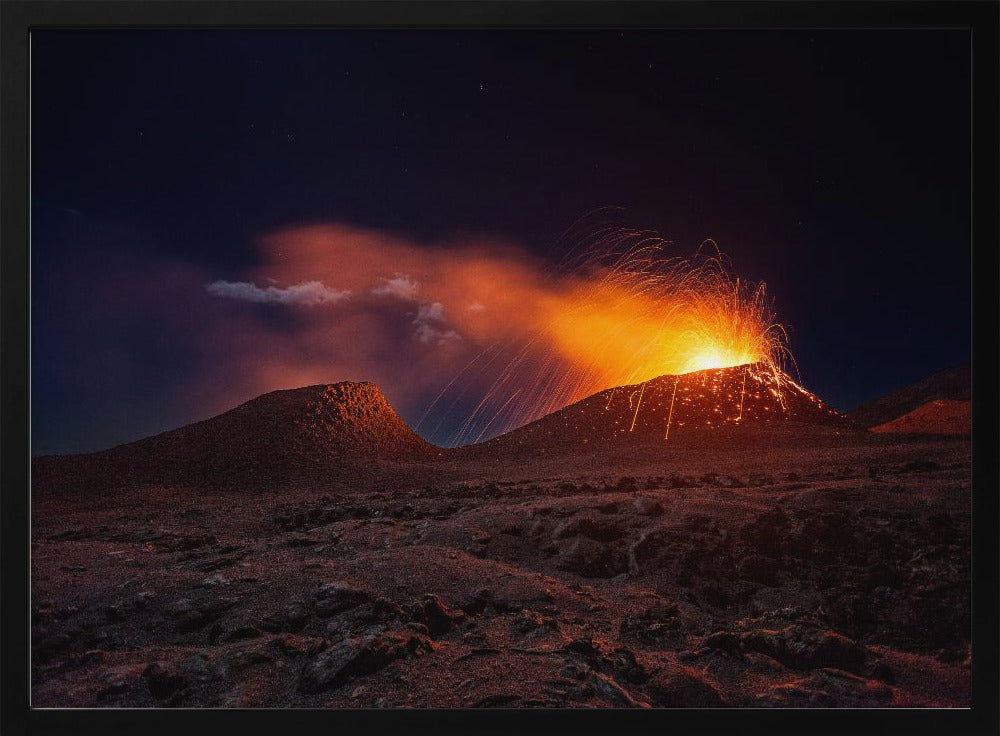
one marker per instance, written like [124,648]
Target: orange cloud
[346,303]
[416,315]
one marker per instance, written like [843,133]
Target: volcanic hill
[281,435]
[941,416]
[951,384]
[672,407]
[317,432]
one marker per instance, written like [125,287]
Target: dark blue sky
[832,165]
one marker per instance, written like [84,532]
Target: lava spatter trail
[623,312]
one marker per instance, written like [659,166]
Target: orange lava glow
[631,330]
[627,313]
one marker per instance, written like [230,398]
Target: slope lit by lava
[674,406]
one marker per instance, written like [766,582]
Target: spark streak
[670,415]
[743,391]
[637,405]
[610,397]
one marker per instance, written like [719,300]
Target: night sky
[832,165]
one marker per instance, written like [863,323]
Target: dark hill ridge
[278,436]
[674,407]
[941,416]
[952,384]
[315,433]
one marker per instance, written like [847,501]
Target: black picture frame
[18,18]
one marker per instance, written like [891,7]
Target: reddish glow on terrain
[674,407]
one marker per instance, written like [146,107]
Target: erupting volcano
[627,312]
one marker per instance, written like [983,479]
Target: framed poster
[392,362]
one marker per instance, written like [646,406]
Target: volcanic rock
[599,531]
[358,656]
[163,681]
[683,687]
[645,506]
[438,617]
[333,598]
[191,616]
[657,625]
[592,559]
[292,617]
[801,648]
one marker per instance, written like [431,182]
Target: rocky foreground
[791,566]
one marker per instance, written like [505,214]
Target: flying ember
[625,312]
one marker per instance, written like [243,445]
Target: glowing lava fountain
[622,312]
